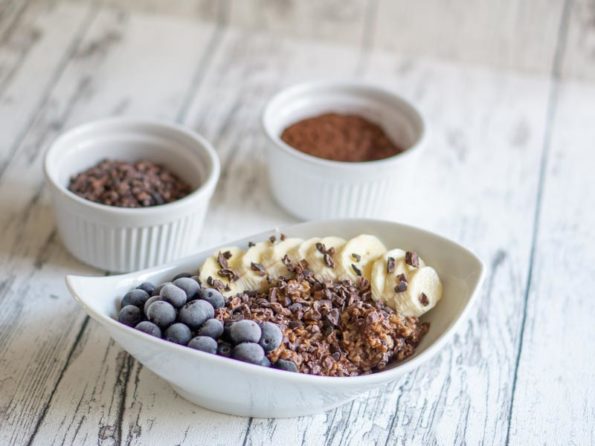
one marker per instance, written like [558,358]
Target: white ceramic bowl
[237,388]
[314,188]
[120,239]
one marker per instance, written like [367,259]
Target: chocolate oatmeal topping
[327,254]
[222,259]
[329,329]
[251,244]
[217,284]
[423,299]
[131,185]
[272,239]
[340,137]
[401,286]
[390,265]
[412,259]
[282,237]
[356,270]
[228,274]
[356,257]
[259,268]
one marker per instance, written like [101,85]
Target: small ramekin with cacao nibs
[160,178]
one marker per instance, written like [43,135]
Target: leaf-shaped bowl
[233,387]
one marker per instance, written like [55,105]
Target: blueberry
[212,328]
[224,349]
[148,287]
[265,362]
[271,336]
[130,315]
[150,328]
[149,301]
[161,313]
[179,276]
[174,295]
[245,331]
[214,297]
[160,287]
[204,344]
[190,287]
[284,364]
[178,333]
[227,331]
[248,352]
[196,312]
[135,297]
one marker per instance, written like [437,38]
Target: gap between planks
[547,142]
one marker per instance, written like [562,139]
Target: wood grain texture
[342,21]
[513,34]
[462,396]
[579,57]
[555,396]
[104,76]
[493,168]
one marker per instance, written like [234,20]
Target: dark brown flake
[412,259]
[259,268]
[356,257]
[222,260]
[228,274]
[423,299]
[272,239]
[390,265]
[356,269]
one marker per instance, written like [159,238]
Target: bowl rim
[372,378]
[107,125]
[360,88]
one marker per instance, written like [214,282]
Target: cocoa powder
[340,137]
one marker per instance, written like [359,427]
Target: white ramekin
[315,188]
[121,239]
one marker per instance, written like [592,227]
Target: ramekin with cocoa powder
[336,180]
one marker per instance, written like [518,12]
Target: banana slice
[298,252]
[316,258]
[423,292]
[379,271]
[355,257]
[251,277]
[211,268]
[272,259]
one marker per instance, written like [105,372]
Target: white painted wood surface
[509,173]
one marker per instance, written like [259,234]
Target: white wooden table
[510,172]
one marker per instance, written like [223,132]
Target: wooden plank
[554,401]
[477,185]
[343,21]
[205,10]
[246,69]
[513,34]
[579,57]
[138,65]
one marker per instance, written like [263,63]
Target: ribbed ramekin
[315,188]
[122,239]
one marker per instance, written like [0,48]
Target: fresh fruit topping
[271,337]
[204,344]
[196,312]
[161,313]
[130,315]
[135,297]
[245,331]
[248,352]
